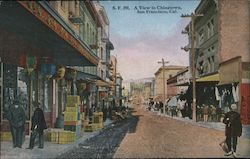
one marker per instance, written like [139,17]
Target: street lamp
[163,73]
[193,16]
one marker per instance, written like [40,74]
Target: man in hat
[233,129]
[17,117]
[38,125]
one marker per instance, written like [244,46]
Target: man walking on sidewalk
[233,129]
[37,126]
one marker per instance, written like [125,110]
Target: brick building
[222,57]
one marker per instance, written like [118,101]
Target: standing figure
[37,126]
[213,113]
[17,117]
[233,129]
[205,112]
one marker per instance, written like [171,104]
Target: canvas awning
[210,78]
[86,76]
[102,83]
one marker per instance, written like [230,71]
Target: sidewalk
[243,148]
[50,150]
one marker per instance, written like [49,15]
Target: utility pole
[192,32]
[164,81]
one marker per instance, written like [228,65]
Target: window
[201,36]
[101,53]
[102,75]
[63,5]
[76,4]
[210,28]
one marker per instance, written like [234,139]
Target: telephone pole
[164,81]
[192,32]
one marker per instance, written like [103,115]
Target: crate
[6,136]
[73,99]
[90,128]
[66,137]
[52,135]
[72,109]
[82,116]
[66,123]
[70,116]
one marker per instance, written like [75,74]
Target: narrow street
[146,135]
[161,137]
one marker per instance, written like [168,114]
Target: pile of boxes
[6,136]
[72,115]
[73,118]
[97,122]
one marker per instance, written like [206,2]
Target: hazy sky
[144,32]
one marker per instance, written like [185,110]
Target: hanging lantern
[31,62]
[70,74]
[60,73]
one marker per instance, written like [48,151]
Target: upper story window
[63,5]
[210,28]
[201,36]
[101,53]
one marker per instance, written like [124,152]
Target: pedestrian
[233,129]
[205,112]
[38,125]
[17,117]
[213,113]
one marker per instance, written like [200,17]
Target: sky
[144,32]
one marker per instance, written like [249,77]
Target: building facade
[222,68]
[170,71]
[52,39]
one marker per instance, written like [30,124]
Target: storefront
[34,35]
[234,86]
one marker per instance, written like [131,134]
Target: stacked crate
[6,136]
[72,116]
[97,122]
[59,136]
[82,122]
[98,119]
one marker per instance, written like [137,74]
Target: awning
[183,84]
[86,76]
[210,78]
[33,27]
[102,83]
[118,98]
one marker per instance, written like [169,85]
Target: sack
[224,146]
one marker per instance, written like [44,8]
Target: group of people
[17,119]
[209,113]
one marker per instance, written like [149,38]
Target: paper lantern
[30,63]
[70,74]
[60,73]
